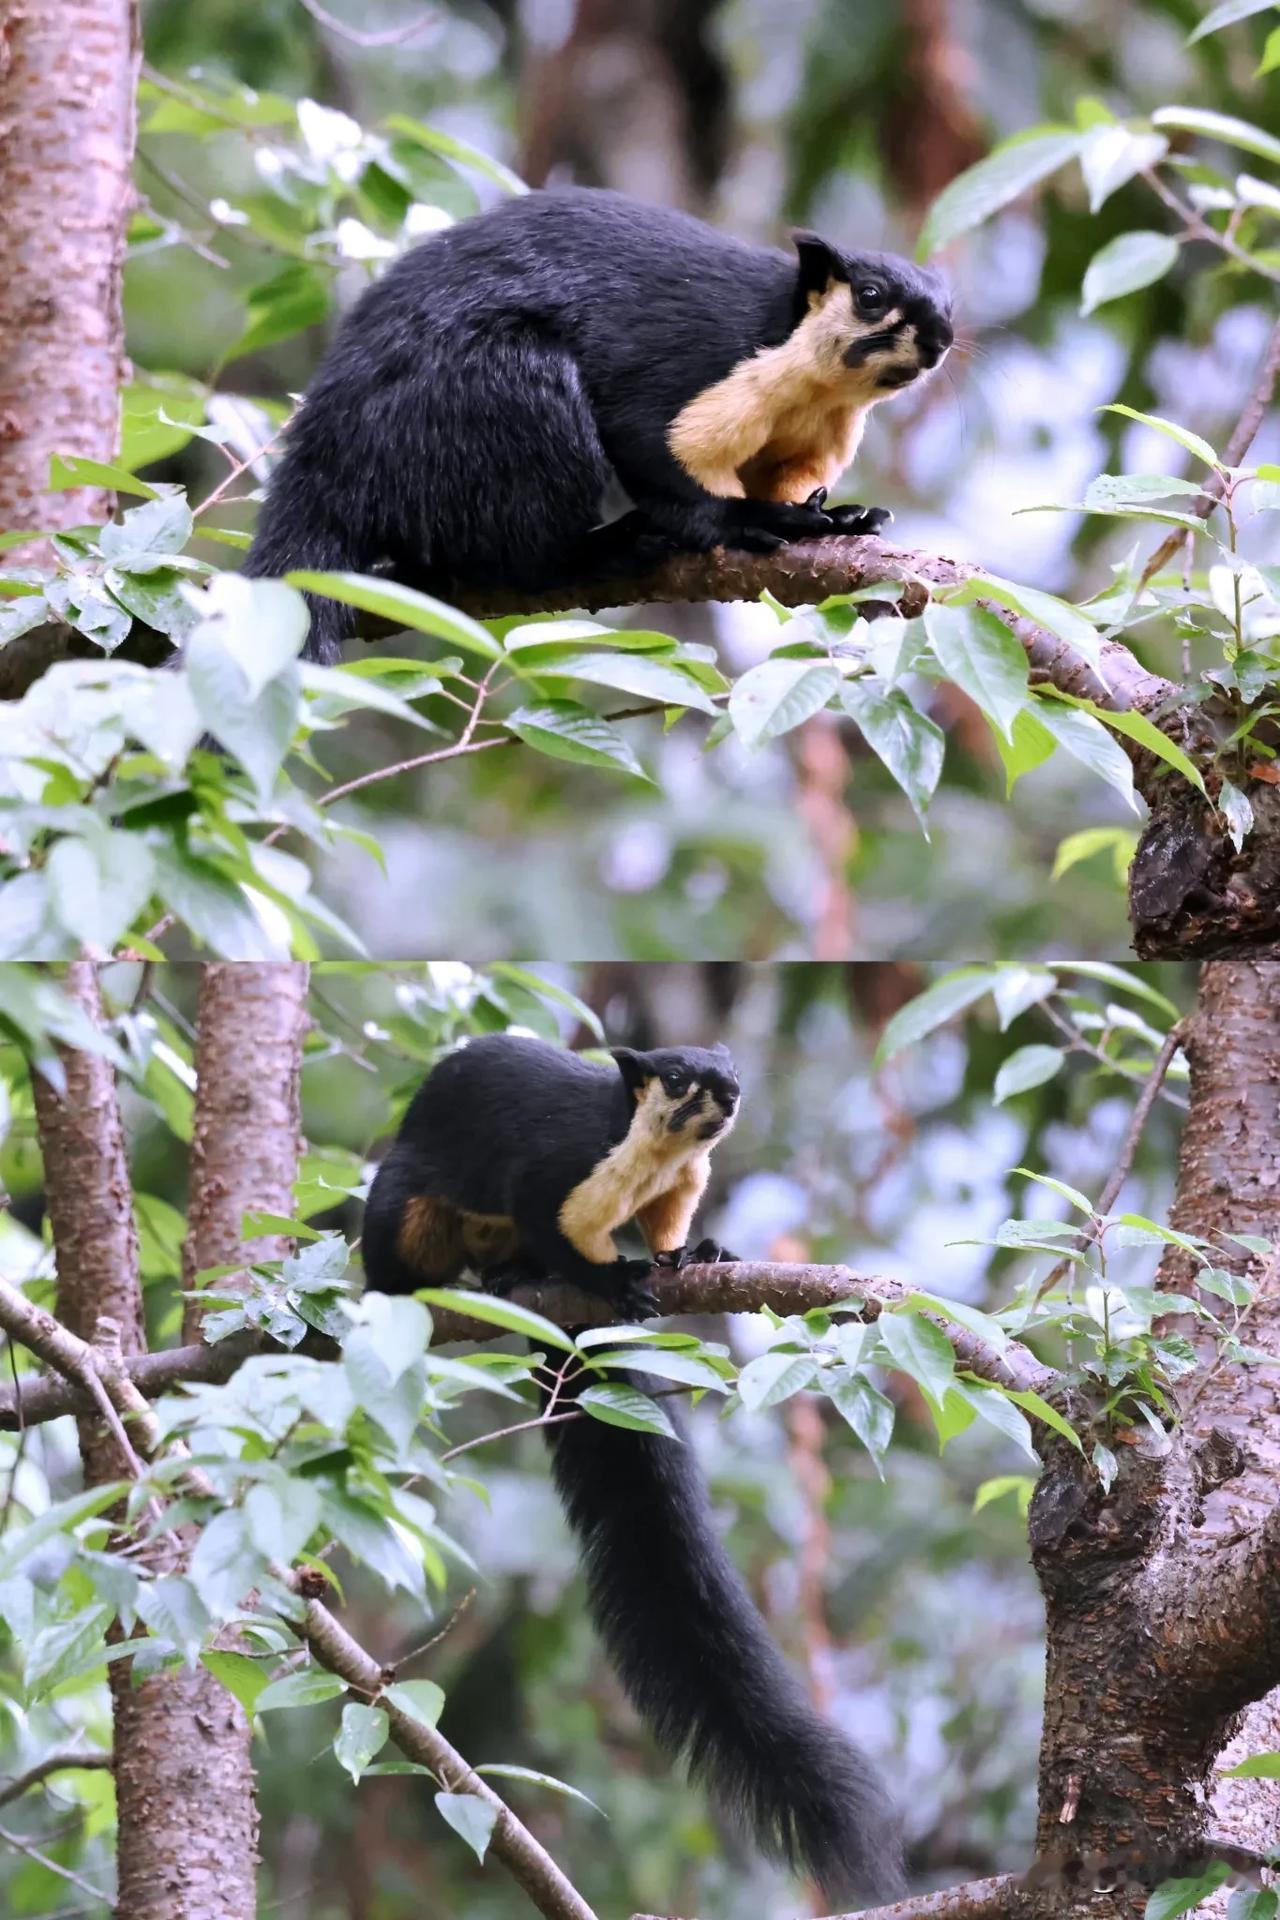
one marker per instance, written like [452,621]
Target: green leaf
[1130,261]
[1073,1194]
[1225,14]
[363,1733]
[239,1674]
[1110,490]
[566,731]
[405,605]
[1087,740]
[499,1313]
[213,907]
[1259,1766]
[1020,1485]
[1112,155]
[1254,1903]
[1270,54]
[1016,988]
[680,1367]
[659,680]
[59,1518]
[910,745]
[1006,173]
[773,1377]
[422,1700]
[470,1816]
[1220,126]
[68,470]
[1185,438]
[778,695]
[309,1687]
[619,1406]
[980,654]
[868,1411]
[919,1349]
[225,1563]
[991,1403]
[502,1772]
[288,303]
[1119,842]
[933,1008]
[1137,727]
[983,1324]
[1032,1403]
[161,526]
[1106,1464]
[282,1515]
[1046,609]
[1028,1067]
[1180,1896]
[1123,980]
[460,151]
[97,885]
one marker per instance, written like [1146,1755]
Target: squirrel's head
[683,1090]
[884,316]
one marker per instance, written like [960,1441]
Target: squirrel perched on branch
[575,384]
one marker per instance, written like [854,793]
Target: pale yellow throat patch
[789,418]
[654,1175]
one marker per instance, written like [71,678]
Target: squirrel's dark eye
[871,297]
[674,1082]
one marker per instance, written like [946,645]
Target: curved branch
[801,575]
[747,1286]
[974,1900]
[524,1857]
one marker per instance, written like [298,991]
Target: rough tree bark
[1229,1182]
[68,72]
[186,1816]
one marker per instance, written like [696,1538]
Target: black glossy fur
[509,1125]
[486,396]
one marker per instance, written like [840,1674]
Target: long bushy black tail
[697,1661]
[298,528]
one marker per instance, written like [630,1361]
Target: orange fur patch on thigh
[430,1238]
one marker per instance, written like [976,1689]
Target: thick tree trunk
[186,1816]
[68,71]
[244,1149]
[1229,1182]
[1158,1646]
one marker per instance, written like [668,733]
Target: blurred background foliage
[258,222]
[913,1614]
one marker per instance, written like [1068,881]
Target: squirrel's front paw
[706,1253]
[631,1291]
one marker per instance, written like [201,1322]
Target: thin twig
[51,1866]
[1238,445]
[60,1762]
[1124,1159]
[387,37]
[1081,1045]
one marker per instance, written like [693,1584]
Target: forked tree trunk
[1162,1596]
[68,78]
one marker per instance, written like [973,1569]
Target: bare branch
[745,1287]
[524,1857]
[800,575]
[1124,1159]
[62,1762]
[1239,444]
[974,1900]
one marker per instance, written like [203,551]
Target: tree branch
[62,1762]
[524,1857]
[745,1287]
[800,575]
[974,1900]
[1237,447]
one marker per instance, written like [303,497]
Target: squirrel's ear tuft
[819,264]
[631,1066]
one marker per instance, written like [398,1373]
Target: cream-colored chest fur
[649,1166]
[789,418]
